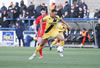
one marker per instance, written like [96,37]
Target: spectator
[16,15]
[97,14]
[0,18]
[66,15]
[97,28]
[17,8]
[11,14]
[76,10]
[81,13]
[59,10]
[67,8]
[72,7]
[10,7]
[72,14]
[85,12]
[82,4]
[4,14]
[32,15]
[91,13]
[5,23]
[19,32]
[23,14]
[3,8]
[27,15]
[23,6]
[38,9]
[31,8]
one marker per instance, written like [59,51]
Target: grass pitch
[14,57]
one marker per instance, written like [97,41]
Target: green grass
[14,57]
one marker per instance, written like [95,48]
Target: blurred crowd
[21,11]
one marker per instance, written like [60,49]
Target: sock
[61,43]
[83,40]
[38,48]
[54,42]
[40,52]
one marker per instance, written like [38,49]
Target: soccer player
[43,14]
[50,30]
[61,27]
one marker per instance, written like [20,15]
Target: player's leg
[19,42]
[39,40]
[23,41]
[40,45]
[60,37]
[53,43]
[35,43]
[43,41]
[40,51]
[61,45]
[83,41]
[38,48]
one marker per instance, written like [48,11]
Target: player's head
[53,13]
[84,29]
[43,11]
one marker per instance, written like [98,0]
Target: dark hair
[84,28]
[43,9]
[31,2]
[66,1]
[54,10]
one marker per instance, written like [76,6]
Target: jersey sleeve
[37,21]
[58,17]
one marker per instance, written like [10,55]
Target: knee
[62,39]
[41,44]
[61,43]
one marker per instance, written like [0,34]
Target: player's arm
[41,21]
[65,24]
[36,23]
[35,28]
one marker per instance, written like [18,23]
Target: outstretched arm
[65,24]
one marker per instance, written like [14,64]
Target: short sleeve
[58,18]
[37,21]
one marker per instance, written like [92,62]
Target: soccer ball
[60,49]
